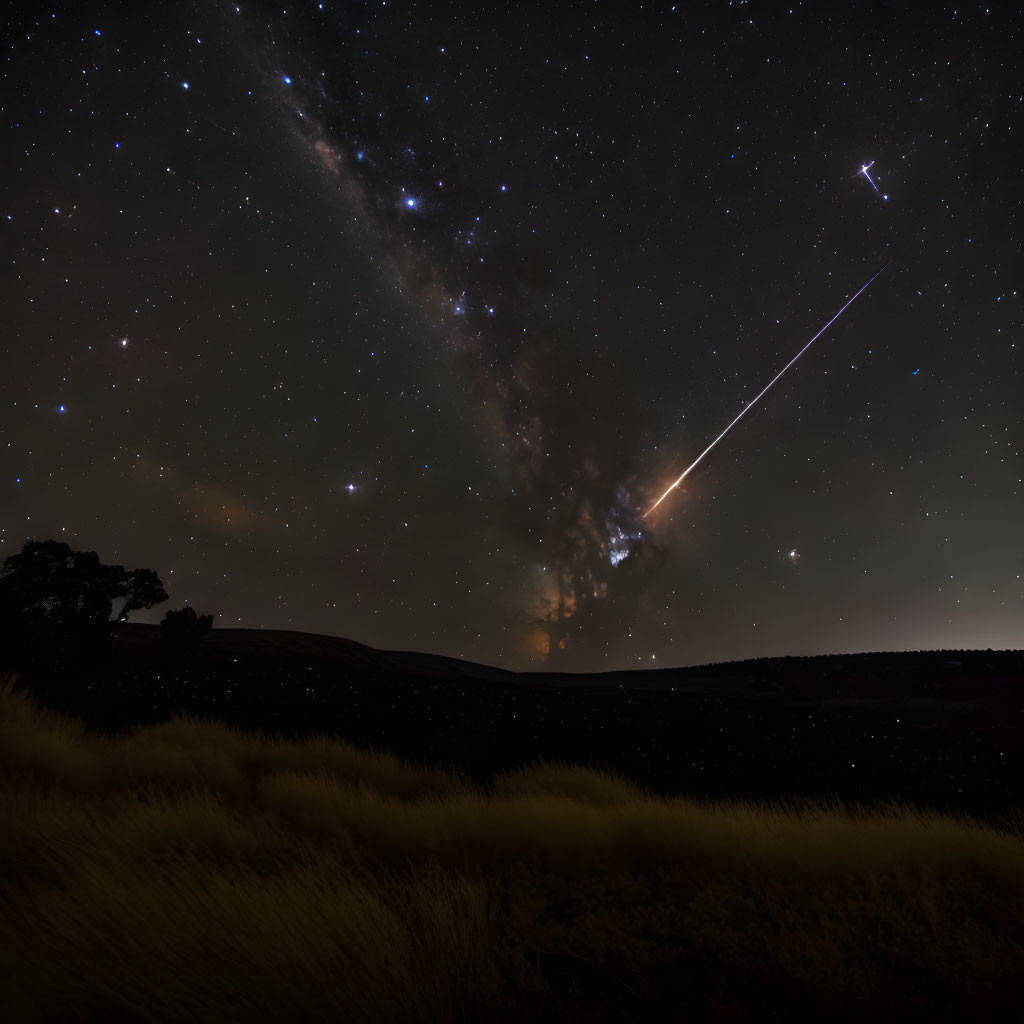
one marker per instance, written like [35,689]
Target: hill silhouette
[942,729]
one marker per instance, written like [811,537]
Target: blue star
[411,202]
[185,86]
[286,80]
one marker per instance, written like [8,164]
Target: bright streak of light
[864,170]
[750,405]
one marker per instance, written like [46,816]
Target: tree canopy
[56,604]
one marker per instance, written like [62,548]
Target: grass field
[188,872]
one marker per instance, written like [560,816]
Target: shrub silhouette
[56,604]
[180,633]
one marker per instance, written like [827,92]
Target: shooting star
[750,405]
[864,168]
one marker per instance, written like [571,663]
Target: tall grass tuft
[190,872]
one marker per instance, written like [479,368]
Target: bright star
[185,86]
[351,488]
[286,80]
[411,202]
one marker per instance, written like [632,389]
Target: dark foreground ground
[191,875]
[942,729]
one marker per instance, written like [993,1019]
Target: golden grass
[189,872]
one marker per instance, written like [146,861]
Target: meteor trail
[864,170]
[750,405]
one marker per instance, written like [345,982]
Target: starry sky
[391,320]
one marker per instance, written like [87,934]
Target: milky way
[488,299]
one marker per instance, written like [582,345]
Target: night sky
[390,321]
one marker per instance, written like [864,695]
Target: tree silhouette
[143,588]
[180,633]
[55,603]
